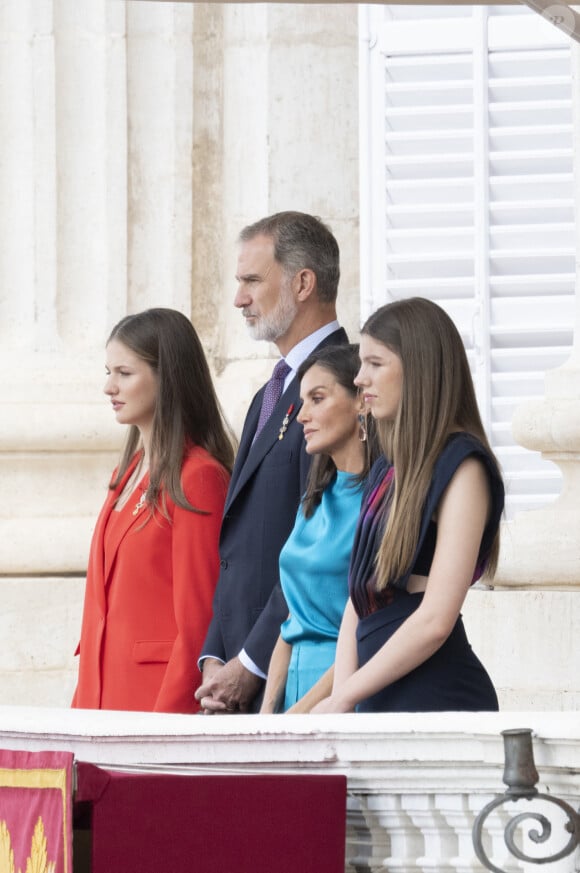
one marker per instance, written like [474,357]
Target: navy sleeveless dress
[453,678]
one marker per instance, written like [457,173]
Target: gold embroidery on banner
[40,778]
[6,851]
[37,862]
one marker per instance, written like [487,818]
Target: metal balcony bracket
[520,775]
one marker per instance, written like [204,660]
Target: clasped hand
[226,688]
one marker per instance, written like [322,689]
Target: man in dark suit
[288,272]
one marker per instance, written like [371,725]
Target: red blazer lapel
[96,570]
[123,522]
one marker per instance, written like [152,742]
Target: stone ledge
[30,546]
[381,740]
[58,427]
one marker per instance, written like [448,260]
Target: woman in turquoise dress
[315,559]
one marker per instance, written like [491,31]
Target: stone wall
[138,139]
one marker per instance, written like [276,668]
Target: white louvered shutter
[466,197]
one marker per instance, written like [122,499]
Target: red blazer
[148,598]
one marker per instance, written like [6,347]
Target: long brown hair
[187,410]
[343,363]
[437,398]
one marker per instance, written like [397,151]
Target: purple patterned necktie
[272,393]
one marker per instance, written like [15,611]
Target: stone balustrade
[415,781]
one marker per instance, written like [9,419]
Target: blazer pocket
[152,651]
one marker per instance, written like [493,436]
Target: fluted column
[90,139]
[290,141]
[96,113]
[160,63]
[542,547]
[26,174]
[53,269]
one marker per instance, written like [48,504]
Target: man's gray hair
[301,241]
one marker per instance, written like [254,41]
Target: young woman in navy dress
[429,524]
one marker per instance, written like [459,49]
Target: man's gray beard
[278,322]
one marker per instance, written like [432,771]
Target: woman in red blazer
[154,561]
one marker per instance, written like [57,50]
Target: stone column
[289,133]
[62,190]
[96,185]
[159,118]
[541,548]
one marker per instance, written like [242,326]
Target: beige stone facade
[141,136]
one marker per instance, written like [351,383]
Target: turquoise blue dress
[314,566]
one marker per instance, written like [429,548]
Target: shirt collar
[305,347]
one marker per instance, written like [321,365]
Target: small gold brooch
[140,503]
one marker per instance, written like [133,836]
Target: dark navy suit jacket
[267,483]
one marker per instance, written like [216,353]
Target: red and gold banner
[35,812]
